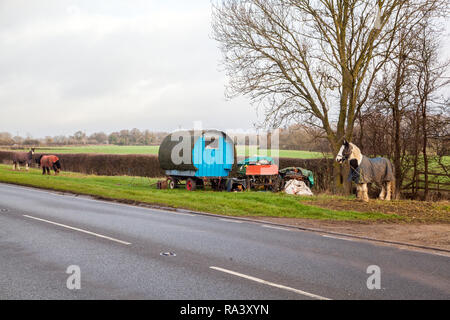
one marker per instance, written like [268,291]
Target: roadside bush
[103,164]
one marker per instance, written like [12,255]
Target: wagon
[197,158]
[256,173]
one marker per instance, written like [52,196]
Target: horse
[48,162]
[38,160]
[364,170]
[22,158]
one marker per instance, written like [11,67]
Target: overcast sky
[111,65]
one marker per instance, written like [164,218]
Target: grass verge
[141,189]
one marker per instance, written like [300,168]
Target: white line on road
[230,220]
[272,227]
[181,214]
[78,229]
[304,293]
[332,237]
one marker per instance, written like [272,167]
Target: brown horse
[22,158]
[48,162]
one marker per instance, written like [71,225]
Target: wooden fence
[433,184]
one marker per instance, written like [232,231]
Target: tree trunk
[424,150]
[341,185]
[397,156]
[416,155]
[397,118]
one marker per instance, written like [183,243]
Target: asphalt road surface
[119,250]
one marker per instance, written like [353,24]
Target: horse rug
[48,161]
[376,170]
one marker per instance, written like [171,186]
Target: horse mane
[356,153]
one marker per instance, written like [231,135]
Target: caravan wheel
[191,185]
[171,183]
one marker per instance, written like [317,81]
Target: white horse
[364,170]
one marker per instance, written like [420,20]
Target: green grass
[113,149]
[144,190]
[433,167]
[246,151]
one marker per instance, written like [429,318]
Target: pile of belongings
[297,187]
[299,174]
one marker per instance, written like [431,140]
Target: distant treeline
[123,138]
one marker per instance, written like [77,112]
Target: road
[118,249]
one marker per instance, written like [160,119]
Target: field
[299,154]
[113,149]
[441,181]
[139,189]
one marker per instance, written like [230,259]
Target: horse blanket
[376,170]
[48,161]
[23,157]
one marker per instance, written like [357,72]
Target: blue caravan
[198,158]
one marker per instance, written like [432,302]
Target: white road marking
[435,253]
[230,220]
[304,293]
[78,229]
[181,214]
[332,237]
[273,227]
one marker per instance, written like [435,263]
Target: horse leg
[365,192]
[48,170]
[358,191]
[14,166]
[26,166]
[43,170]
[389,190]
[383,192]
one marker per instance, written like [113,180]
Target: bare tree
[407,96]
[430,79]
[394,90]
[439,134]
[310,61]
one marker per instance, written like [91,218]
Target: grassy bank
[144,190]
